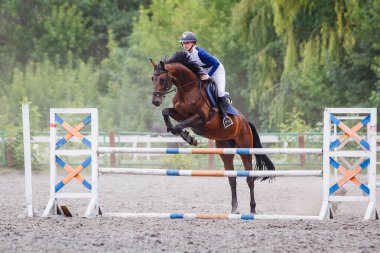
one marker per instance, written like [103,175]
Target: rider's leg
[220,79]
[223,104]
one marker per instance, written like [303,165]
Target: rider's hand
[205,77]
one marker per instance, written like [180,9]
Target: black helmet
[188,37]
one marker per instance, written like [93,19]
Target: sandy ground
[345,233]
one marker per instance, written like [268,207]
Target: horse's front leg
[184,123]
[171,112]
[192,121]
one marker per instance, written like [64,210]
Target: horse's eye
[152,78]
[162,81]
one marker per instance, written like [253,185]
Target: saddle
[212,93]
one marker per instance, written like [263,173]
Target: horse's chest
[185,107]
[182,109]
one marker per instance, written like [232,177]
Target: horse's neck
[187,81]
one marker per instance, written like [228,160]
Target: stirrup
[227,121]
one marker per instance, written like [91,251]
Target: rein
[196,79]
[162,94]
[200,90]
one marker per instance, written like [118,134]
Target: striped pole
[225,151]
[210,216]
[213,173]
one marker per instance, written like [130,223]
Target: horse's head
[162,82]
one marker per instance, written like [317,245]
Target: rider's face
[187,45]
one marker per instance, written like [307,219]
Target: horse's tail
[262,161]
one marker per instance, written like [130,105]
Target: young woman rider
[212,66]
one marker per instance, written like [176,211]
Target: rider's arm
[208,60]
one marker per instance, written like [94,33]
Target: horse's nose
[155,102]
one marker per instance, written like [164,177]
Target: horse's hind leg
[228,165]
[234,203]
[247,162]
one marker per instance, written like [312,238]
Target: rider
[213,67]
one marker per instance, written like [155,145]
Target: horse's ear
[162,65]
[153,64]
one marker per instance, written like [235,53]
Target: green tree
[121,100]
[280,56]
[49,85]
[64,30]
[305,55]
[156,33]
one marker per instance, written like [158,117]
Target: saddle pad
[211,93]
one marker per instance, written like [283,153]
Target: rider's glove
[205,77]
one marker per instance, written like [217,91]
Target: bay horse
[192,109]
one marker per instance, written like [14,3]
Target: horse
[192,109]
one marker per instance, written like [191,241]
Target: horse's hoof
[176,131]
[189,139]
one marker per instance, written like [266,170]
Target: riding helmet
[188,37]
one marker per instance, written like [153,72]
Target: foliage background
[286,60]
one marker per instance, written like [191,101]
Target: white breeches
[219,77]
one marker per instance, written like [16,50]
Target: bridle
[167,85]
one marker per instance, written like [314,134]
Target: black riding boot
[223,103]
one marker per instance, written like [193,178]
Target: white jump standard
[333,157]
[89,151]
[29,209]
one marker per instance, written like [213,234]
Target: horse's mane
[184,58]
